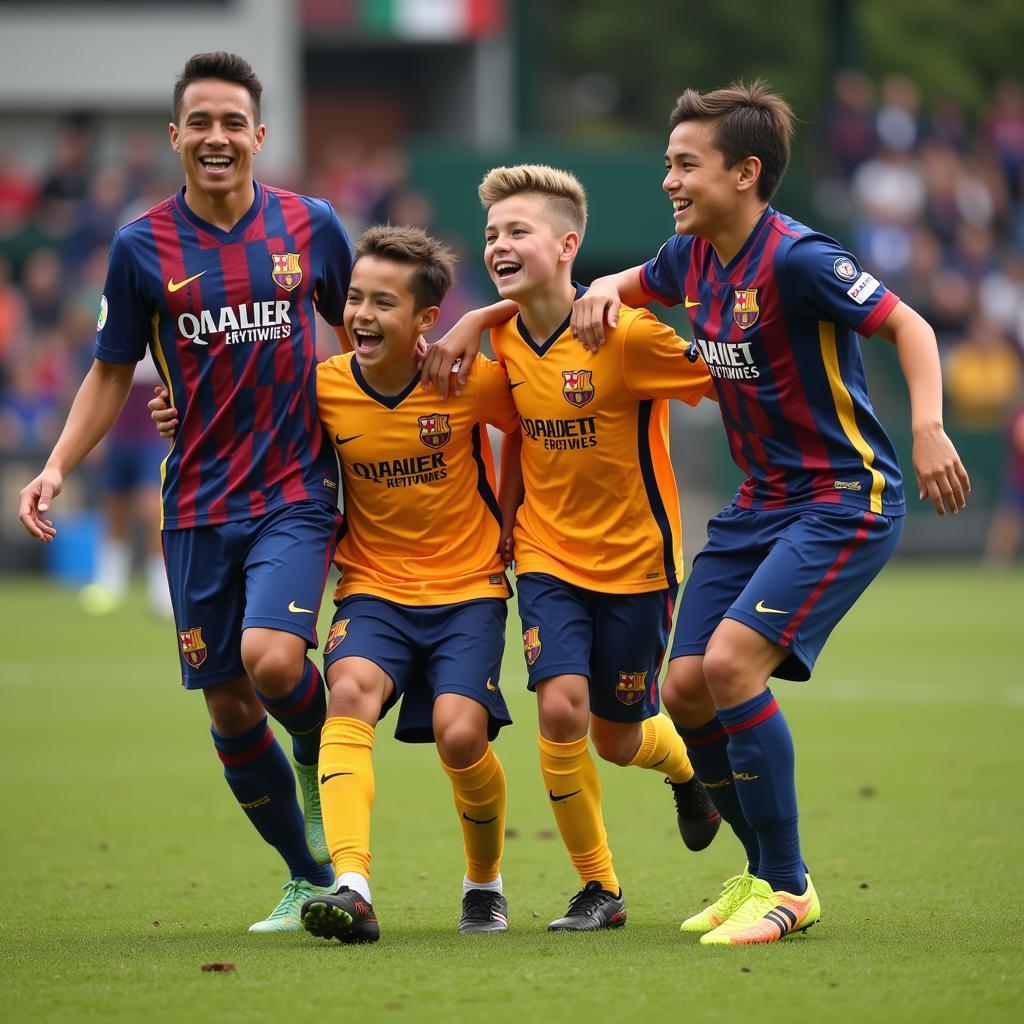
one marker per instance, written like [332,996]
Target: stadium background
[910,149]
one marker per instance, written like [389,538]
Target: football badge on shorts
[434,430]
[577,387]
[193,649]
[287,271]
[745,310]
[631,687]
[339,630]
[531,644]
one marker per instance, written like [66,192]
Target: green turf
[127,866]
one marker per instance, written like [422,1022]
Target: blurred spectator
[982,376]
[848,138]
[1007,527]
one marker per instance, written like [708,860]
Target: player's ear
[749,173]
[427,318]
[570,246]
[261,134]
[172,131]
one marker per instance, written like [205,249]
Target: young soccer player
[422,595]
[775,308]
[221,280]
[597,540]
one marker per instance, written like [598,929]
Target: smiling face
[381,317]
[526,245]
[216,136]
[706,195]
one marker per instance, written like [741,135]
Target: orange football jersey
[601,508]
[422,522]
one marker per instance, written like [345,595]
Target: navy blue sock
[260,776]
[302,712]
[707,746]
[761,755]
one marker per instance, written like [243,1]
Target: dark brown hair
[749,120]
[228,67]
[433,261]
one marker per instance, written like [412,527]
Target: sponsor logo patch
[287,271]
[339,630]
[435,431]
[745,309]
[531,644]
[631,687]
[193,649]
[863,288]
[577,387]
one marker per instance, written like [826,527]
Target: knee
[723,670]
[350,698]
[562,719]
[233,708]
[273,668]
[618,746]
[460,743]
[684,692]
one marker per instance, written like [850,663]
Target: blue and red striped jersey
[229,316]
[777,328]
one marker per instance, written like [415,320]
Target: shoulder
[139,230]
[335,369]
[801,246]
[317,207]
[635,322]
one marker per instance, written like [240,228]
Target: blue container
[72,554]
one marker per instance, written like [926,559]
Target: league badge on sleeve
[631,687]
[193,649]
[531,644]
[577,387]
[287,270]
[435,431]
[844,269]
[101,320]
[745,310]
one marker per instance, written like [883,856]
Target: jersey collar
[388,401]
[211,229]
[559,331]
[723,273]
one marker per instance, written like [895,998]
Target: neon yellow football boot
[766,916]
[733,893]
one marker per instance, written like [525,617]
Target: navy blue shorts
[616,640]
[268,572]
[426,651]
[789,574]
[130,467]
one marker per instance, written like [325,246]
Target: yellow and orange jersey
[601,509]
[422,522]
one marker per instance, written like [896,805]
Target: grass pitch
[128,866]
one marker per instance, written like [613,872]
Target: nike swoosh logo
[173,286]
[564,796]
[293,607]
[490,685]
[333,775]
[512,386]
[339,440]
[476,821]
[761,607]
[662,761]
[689,303]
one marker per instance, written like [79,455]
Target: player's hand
[422,348]
[163,414]
[451,356]
[941,477]
[507,549]
[589,313]
[36,499]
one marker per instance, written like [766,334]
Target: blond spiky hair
[567,197]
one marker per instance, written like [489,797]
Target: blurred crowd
[931,199]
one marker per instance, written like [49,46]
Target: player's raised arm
[96,406]
[941,476]
[602,302]
[462,342]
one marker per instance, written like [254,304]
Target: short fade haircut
[563,190]
[228,67]
[433,261]
[749,120]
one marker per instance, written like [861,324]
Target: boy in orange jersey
[598,538]
[420,611]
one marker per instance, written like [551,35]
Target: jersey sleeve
[123,329]
[494,397]
[654,363]
[332,290]
[827,283]
[663,278]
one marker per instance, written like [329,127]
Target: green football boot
[315,838]
[287,915]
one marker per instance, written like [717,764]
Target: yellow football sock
[662,749]
[574,790]
[347,788]
[479,792]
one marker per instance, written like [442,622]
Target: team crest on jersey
[287,271]
[193,649]
[745,310]
[577,387]
[434,430]
[339,630]
[631,687]
[531,644]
